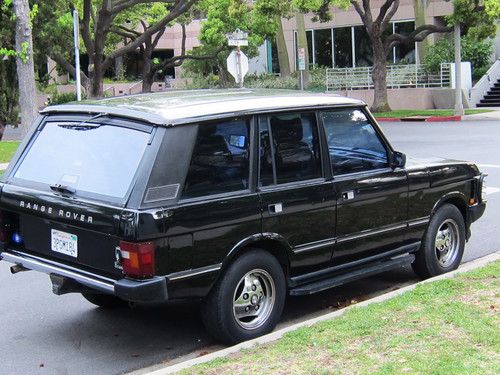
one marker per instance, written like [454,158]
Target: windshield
[92,158]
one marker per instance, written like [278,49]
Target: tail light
[138,259]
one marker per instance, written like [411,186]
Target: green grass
[7,149]
[426,112]
[446,327]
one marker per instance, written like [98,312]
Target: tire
[248,299]
[106,301]
[443,243]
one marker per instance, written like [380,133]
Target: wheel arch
[457,199]
[273,243]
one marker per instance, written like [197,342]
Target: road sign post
[237,62]
[301,54]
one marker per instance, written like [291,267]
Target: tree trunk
[147,72]
[147,66]
[302,43]
[379,76]
[283,58]
[420,7]
[25,65]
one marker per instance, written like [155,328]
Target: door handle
[346,195]
[275,208]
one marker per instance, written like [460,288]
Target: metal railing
[484,84]
[398,76]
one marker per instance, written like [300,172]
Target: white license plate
[64,243]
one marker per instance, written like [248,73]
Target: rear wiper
[84,125]
[62,189]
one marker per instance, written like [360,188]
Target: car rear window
[90,158]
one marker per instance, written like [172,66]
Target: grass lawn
[426,112]
[446,327]
[7,149]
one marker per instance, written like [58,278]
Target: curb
[273,336]
[420,119]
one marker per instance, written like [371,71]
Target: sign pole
[459,107]
[77,56]
[238,62]
[301,57]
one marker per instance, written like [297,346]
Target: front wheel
[248,299]
[443,243]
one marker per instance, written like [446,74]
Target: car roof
[182,106]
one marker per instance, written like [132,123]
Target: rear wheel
[248,299]
[105,301]
[443,243]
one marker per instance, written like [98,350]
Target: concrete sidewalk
[494,115]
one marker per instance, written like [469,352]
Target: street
[44,333]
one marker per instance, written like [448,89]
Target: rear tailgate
[74,232]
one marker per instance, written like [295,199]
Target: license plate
[64,243]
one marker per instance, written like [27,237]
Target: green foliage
[477,52]
[66,97]
[476,23]
[9,93]
[261,81]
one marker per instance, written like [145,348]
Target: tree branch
[67,66]
[85,26]
[172,15]
[418,35]
[389,15]
[358,9]
[383,11]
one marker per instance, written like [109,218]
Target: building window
[343,47]
[363,47]
[323,48]
[404,53]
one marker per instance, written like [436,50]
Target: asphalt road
[45,334]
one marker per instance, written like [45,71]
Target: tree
[9,92]
[24,65]
[221,18]
[479,15]
[98,20]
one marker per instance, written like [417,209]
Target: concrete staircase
[492,97]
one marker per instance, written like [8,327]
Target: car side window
[353,143]
[289,148]
[220,159]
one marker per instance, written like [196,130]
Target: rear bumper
[150,290]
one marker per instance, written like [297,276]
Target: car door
[298,200]
[371,196]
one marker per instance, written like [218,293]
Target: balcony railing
[398,76]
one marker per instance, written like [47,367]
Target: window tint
[353,143]
[294,149]
[91,158]
[219,163]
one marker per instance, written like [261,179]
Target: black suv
[236,198]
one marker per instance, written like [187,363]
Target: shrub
[63,98]
[477,52]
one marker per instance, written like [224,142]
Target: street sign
[301,54]
[237,38]
[237,65]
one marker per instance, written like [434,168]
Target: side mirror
[398,160]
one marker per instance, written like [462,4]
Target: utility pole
[459,107]
[76,40]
